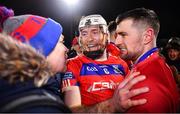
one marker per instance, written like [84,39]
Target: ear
[105,37]
[149,35]
[79,41]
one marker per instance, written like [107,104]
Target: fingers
[132,103]
[124,92]
[134,81]
[138,91]
[128,78]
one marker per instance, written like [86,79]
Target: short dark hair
[112,26]
[147,16]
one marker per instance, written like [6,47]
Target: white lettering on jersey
[91,68]
[97,86]
[106,71]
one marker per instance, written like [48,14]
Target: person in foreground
[29,79]
[95,81]
[137,31]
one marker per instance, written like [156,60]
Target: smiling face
[173,54]
[93,41]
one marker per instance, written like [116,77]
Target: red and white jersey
[97,80]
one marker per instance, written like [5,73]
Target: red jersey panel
[96,80]
[163,95]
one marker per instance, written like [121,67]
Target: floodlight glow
[71,2]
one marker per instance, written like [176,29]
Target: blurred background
[69,12]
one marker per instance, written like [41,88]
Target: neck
[103,57]
[147,47]
[145,54]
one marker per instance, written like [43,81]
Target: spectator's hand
[123,94]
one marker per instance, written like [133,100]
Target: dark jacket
[27,83]
[12,92]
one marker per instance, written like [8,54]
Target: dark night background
[168,12]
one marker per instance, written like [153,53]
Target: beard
[96,51]
[94,54]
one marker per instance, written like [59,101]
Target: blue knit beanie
[41,33]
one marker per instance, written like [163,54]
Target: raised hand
[123,94]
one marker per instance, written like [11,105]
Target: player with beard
[91,80]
